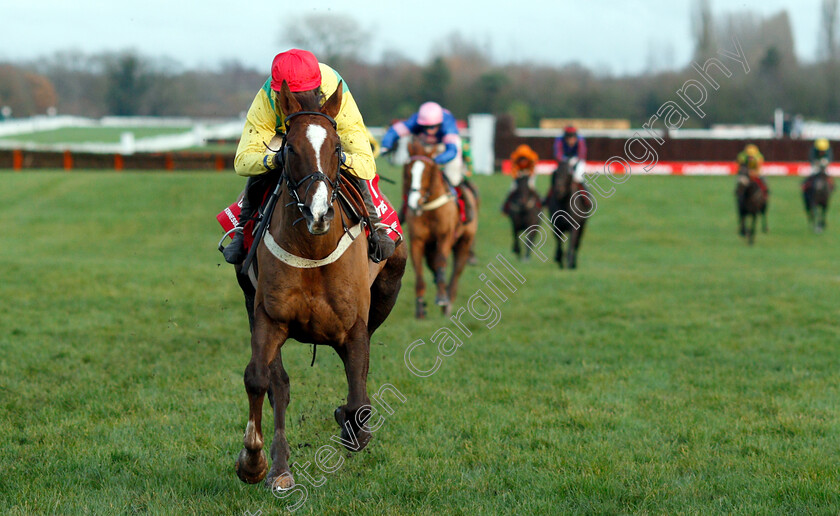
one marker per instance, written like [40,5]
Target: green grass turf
[93,134]
[677,371]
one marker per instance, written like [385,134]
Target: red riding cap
[299,68]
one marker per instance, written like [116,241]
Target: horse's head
[418,174]
[312,155]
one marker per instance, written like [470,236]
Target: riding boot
[380,245]
[235,252]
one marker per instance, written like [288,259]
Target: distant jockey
[524,164]
[571,147]
[820,158]
[435,126]
[749,162]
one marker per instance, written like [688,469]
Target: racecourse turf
[676,371]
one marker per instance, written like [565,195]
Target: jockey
[524,163]
[820,157]
[435,126]
[749,162]
[303,74]
[571,147]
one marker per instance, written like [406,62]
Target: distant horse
[523,207]
[310,291]
[435,230]
[568,208]
[817,193]
[751,202]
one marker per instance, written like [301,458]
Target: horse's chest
[319,317]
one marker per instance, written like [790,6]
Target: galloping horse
[751,202]
[568,211]
[817,193]
[435,229]
[308,290]
[523,207]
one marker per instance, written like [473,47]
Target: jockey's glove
[273,161]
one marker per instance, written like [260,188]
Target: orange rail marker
[68,160]
[118,162]
[17,160]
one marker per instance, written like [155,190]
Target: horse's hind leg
[558,255]
[751,231]
[460,257]
[280,476]
[353,416]
[417,255]
[249,292]
[266,339]
[386,287]
[764,227]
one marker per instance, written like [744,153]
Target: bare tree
[702,23]
[828,31]
[331,37]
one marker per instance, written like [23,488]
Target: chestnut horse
[311,297]
[435,230]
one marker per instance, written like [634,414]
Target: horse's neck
[438,185]
[289,230]
[562,179]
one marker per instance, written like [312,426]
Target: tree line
[462,75]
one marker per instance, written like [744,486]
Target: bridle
[313,178]
[424,204]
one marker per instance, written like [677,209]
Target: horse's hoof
[359,438]
[442,301]
[249,469]
[281,482]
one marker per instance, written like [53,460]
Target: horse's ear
[288,102]
[333,104]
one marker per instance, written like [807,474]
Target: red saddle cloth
[229,217]
[462,207]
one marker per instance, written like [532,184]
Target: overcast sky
[610,35]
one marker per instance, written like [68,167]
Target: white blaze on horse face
[416,181]
[317,135]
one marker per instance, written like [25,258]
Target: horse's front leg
[574,243]
[516,249]
[351,417]
[280,476]
[460,257]
[417,252]
[558,255]
[443,250]
[266,339]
